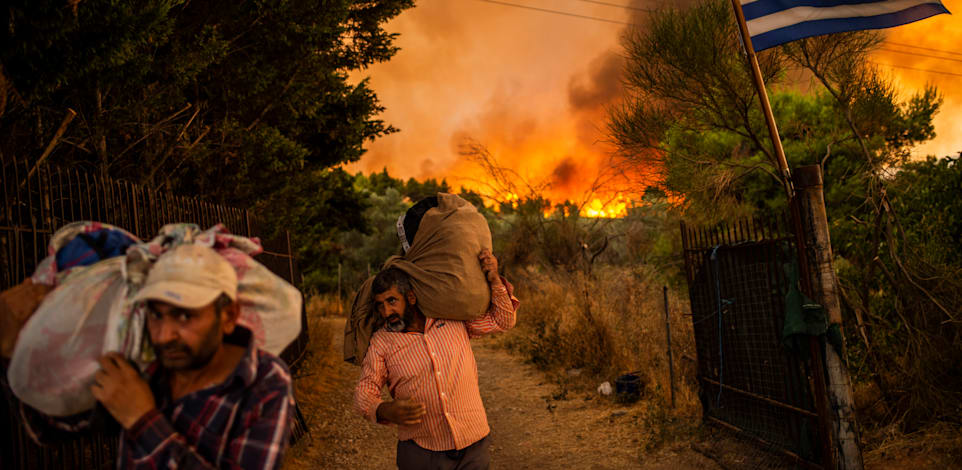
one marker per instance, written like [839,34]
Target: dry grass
[324,388]
[937,447]
[327,305]
[622,328]
[619,329]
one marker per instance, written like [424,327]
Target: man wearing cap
[211,399]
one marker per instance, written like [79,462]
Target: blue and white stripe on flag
[774,22]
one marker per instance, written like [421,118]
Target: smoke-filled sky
[533,87]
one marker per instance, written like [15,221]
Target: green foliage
[912,295]
[522,233]
[334,207]
[926,194]
[243,103]
[363,252]
[651,238]
[686,73]
[43,53]
[412,189]
[692,113]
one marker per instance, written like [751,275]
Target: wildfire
[510,199]
[617,207]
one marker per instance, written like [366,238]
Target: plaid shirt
[243,422]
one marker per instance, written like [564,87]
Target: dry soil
[531,427]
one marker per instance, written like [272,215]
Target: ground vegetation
[692,113]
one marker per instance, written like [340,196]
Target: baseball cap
[189,276]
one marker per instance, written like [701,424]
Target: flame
[543,115]
[510,199]
[618,207]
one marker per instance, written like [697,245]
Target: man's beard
[184,358]
[397,323]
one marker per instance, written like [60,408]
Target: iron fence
[38,201]
[749,381]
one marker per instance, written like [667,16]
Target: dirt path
[530,429]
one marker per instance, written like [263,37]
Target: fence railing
[749,381]
[38,201]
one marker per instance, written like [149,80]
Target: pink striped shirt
[437,369]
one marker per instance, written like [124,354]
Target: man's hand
[489,264]
[401,411]
[121,390]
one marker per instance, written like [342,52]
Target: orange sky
[942,32]
[533,87]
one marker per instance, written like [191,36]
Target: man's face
[184,339]
[391,305]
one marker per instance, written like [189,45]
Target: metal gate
[39,200]
[749,382]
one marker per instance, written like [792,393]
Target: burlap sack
[446,275]
[17,305]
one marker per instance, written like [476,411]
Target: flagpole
[766,105]
[826,430]
[839,440]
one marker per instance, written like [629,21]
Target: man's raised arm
[501,313]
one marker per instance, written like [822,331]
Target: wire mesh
[39,200]
[749,381]
[735,450]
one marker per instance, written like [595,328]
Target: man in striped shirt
[431,373]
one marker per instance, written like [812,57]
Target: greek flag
[774,22]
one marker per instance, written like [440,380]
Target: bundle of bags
[442,262]
[82,308]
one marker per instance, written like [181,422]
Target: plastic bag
[56,355]
[90,314]
[269,306]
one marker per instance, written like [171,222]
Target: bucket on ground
[628,388]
